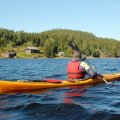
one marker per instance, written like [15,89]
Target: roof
[34,48]
[11,53]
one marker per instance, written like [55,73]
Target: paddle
[105,80]
[75,47]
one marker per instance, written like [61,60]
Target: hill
[53,41]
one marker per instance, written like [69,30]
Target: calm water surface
[99,102]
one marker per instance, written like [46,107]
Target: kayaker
[78,69]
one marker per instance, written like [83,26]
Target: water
[99,102]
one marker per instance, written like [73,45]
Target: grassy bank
[32,55]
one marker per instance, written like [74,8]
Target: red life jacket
[74,71]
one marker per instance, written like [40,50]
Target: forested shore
[52,42]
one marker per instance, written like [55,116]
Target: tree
[96,53]
[49,48]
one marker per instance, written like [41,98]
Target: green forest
[54,41]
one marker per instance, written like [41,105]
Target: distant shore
[43,57]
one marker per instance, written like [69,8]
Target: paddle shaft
[104,80]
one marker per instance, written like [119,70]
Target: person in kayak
[78,69]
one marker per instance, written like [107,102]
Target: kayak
[25,85]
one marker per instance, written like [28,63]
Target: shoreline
[61,58]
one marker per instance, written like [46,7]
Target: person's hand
[100,75]
[83,58]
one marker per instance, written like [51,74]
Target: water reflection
[74,91]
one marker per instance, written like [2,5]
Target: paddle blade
[73,46]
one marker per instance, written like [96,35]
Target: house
[10,55]
[32,50]
[61,54]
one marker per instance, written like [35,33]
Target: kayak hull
[23,85]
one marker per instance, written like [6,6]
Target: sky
[100,17]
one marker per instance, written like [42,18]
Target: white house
[61,54]
[32,50]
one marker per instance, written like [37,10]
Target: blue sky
[100,17]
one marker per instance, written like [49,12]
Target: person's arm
[88,69]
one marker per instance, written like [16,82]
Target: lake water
[99,102]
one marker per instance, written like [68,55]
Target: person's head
[76,55]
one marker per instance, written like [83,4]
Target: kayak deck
[23,85]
